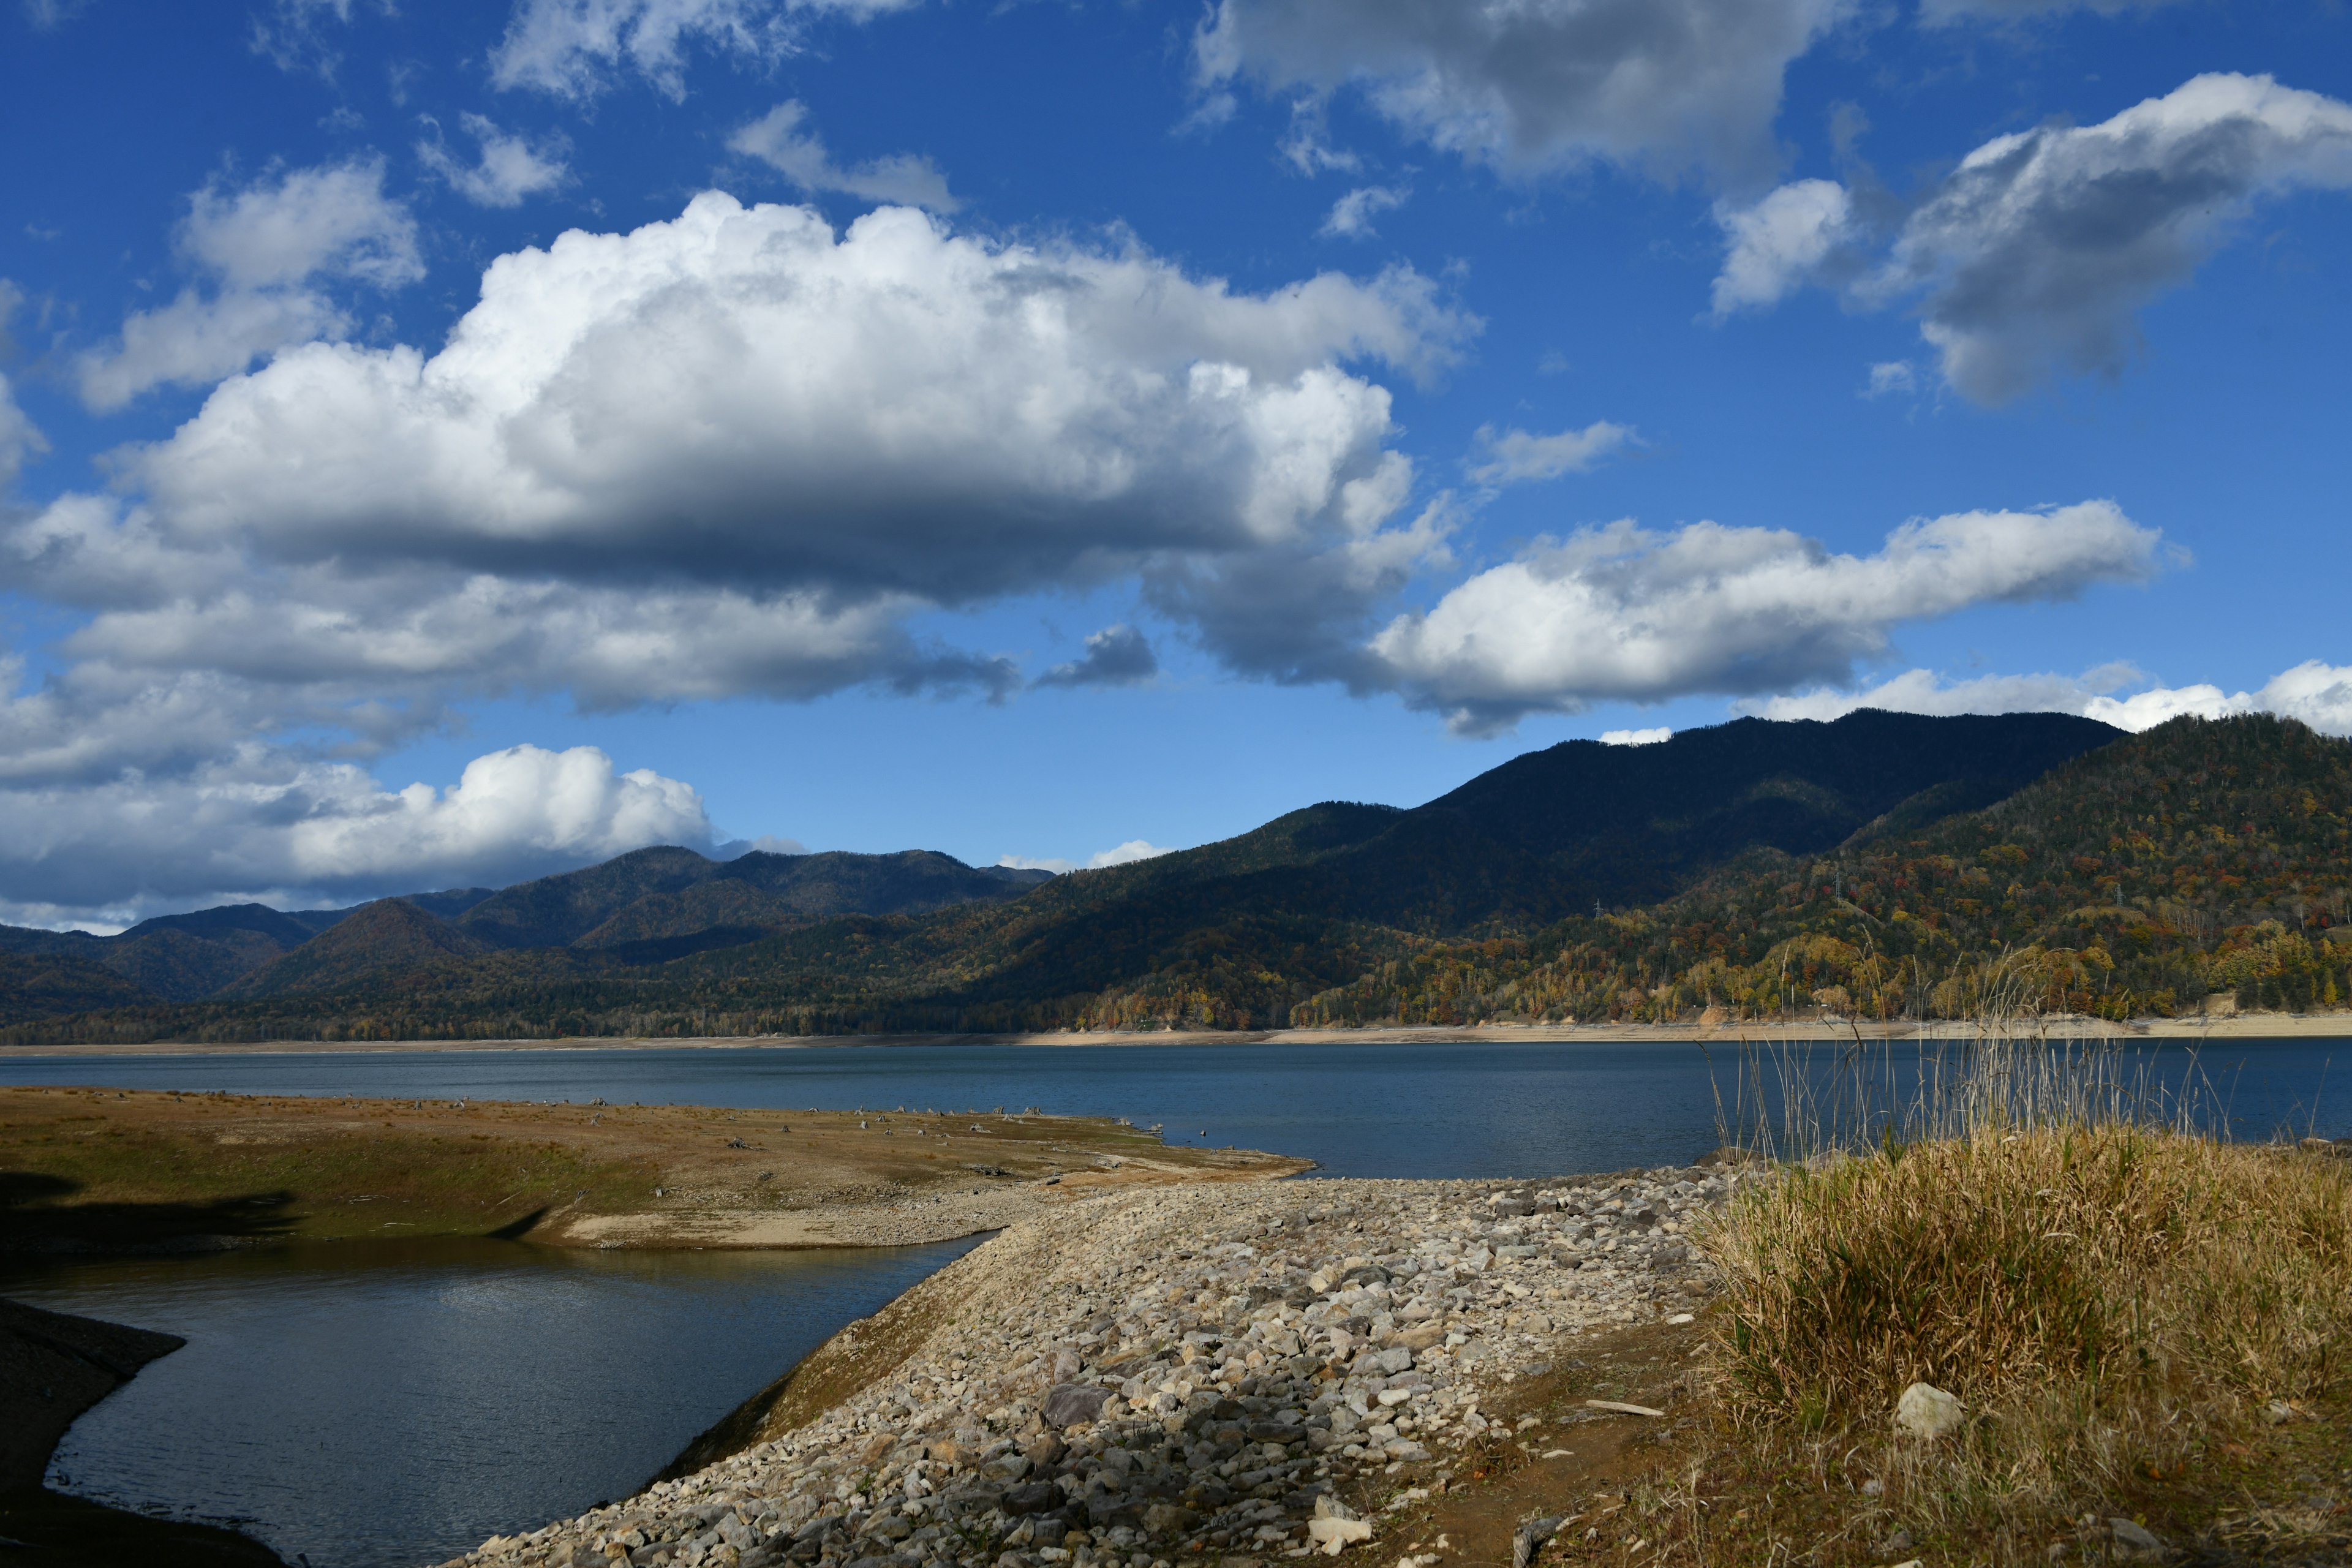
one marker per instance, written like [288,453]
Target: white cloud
[508,169]
[1126,854]
[1351,214]
[1895,378]
[48,15]
[1620,612]
[2036,254]
[266,246]
[572,47]
[1780,243]
[1536,84]
[778,140]
[256,823]
[332,219]
[1636,737]
[733,454]
[1515,456]
[2039,250]
[743,396]
[20,440]
[2318,694]
[1116,656]
[293,34]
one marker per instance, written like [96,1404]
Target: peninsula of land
[108,1168]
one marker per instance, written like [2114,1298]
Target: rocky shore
[1225,1372]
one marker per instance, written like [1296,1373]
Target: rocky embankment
[1223,1373]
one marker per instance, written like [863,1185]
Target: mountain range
[1879,861]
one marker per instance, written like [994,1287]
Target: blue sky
[1385,387]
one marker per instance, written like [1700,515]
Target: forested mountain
[646,906]
[1479,904]
[2199,858]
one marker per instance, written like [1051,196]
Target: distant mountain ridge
[1252,931]
[648,905]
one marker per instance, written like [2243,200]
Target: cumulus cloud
[508,169]
[1514,456]
[1665,84]
[1125,854]
[2041,248]
[1116,656]
[779,140]
[1624,613]
[267,246]
[733,454]
[2036,255]
[1636,737]
[572,48]
[1351,214]
[1779,243]
[2318,694]
[257,823]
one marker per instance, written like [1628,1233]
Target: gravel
[1179,1372]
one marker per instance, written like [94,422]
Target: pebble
[1196,1370]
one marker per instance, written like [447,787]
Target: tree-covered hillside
[2199,858]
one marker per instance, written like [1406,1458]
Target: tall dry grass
[2105,1286]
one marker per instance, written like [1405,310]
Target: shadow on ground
[38,1215]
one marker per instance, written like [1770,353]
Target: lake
[380,1404]
[395,1403]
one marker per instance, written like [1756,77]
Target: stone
[1334,1526]
[2135,1539]
[1074,1403]
[1036,1497]
[1926,1410]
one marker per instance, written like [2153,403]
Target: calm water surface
[1357,1108]
[382,1404]
[396,1402]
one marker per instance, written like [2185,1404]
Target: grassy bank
[91,1167]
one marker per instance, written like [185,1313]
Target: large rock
[1073,1404]
[1926,1411]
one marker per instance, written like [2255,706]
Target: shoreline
[165,1170]
[1216,1371]
[2235,1026]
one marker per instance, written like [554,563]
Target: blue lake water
[1373,1107]
[382,1404]
[385,1404]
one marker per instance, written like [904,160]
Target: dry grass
[2124,1303]
[2108,1302]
